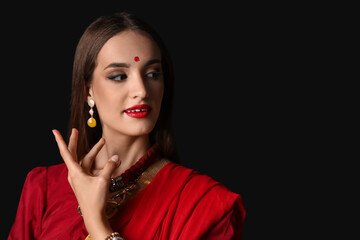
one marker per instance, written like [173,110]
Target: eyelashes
[154,75]
[121,77]
[117,77]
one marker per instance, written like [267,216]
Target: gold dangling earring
[91,122]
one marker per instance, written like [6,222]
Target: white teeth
[137,110]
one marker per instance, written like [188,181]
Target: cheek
[158,95]
[158,92]
[108,99]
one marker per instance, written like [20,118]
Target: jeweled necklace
[123,187]
[131,175]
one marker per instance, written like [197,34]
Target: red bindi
[136,59]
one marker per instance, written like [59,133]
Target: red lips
[138,111]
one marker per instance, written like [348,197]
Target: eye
[154,75]
[118,77]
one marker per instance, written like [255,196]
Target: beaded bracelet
[114,236]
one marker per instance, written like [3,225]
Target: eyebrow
[126,65]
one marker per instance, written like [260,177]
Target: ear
[90,94]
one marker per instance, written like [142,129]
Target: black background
[235,115]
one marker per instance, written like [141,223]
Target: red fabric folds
[179,203]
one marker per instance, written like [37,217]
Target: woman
[120,178]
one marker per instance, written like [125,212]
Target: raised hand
[91,191]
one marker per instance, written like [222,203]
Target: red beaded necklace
[131,175]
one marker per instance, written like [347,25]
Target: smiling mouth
[138,111]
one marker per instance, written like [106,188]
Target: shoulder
[194,178]
[200,198]
[40,175]
[201,187]
[46,183]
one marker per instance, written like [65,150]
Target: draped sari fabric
[179,203]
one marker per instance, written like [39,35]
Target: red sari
[179,203]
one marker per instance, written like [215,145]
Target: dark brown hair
[89,45]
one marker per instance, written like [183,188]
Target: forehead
[124,46]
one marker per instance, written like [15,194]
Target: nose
[138,87]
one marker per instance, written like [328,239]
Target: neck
[129,149]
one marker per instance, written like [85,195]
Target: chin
[138,130]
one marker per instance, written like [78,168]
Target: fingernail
[115,158]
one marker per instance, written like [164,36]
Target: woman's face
[127,84]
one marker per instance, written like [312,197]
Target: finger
[73,142]
[88,160]
[64,151]
[110,166]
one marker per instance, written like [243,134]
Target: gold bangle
[114,236]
